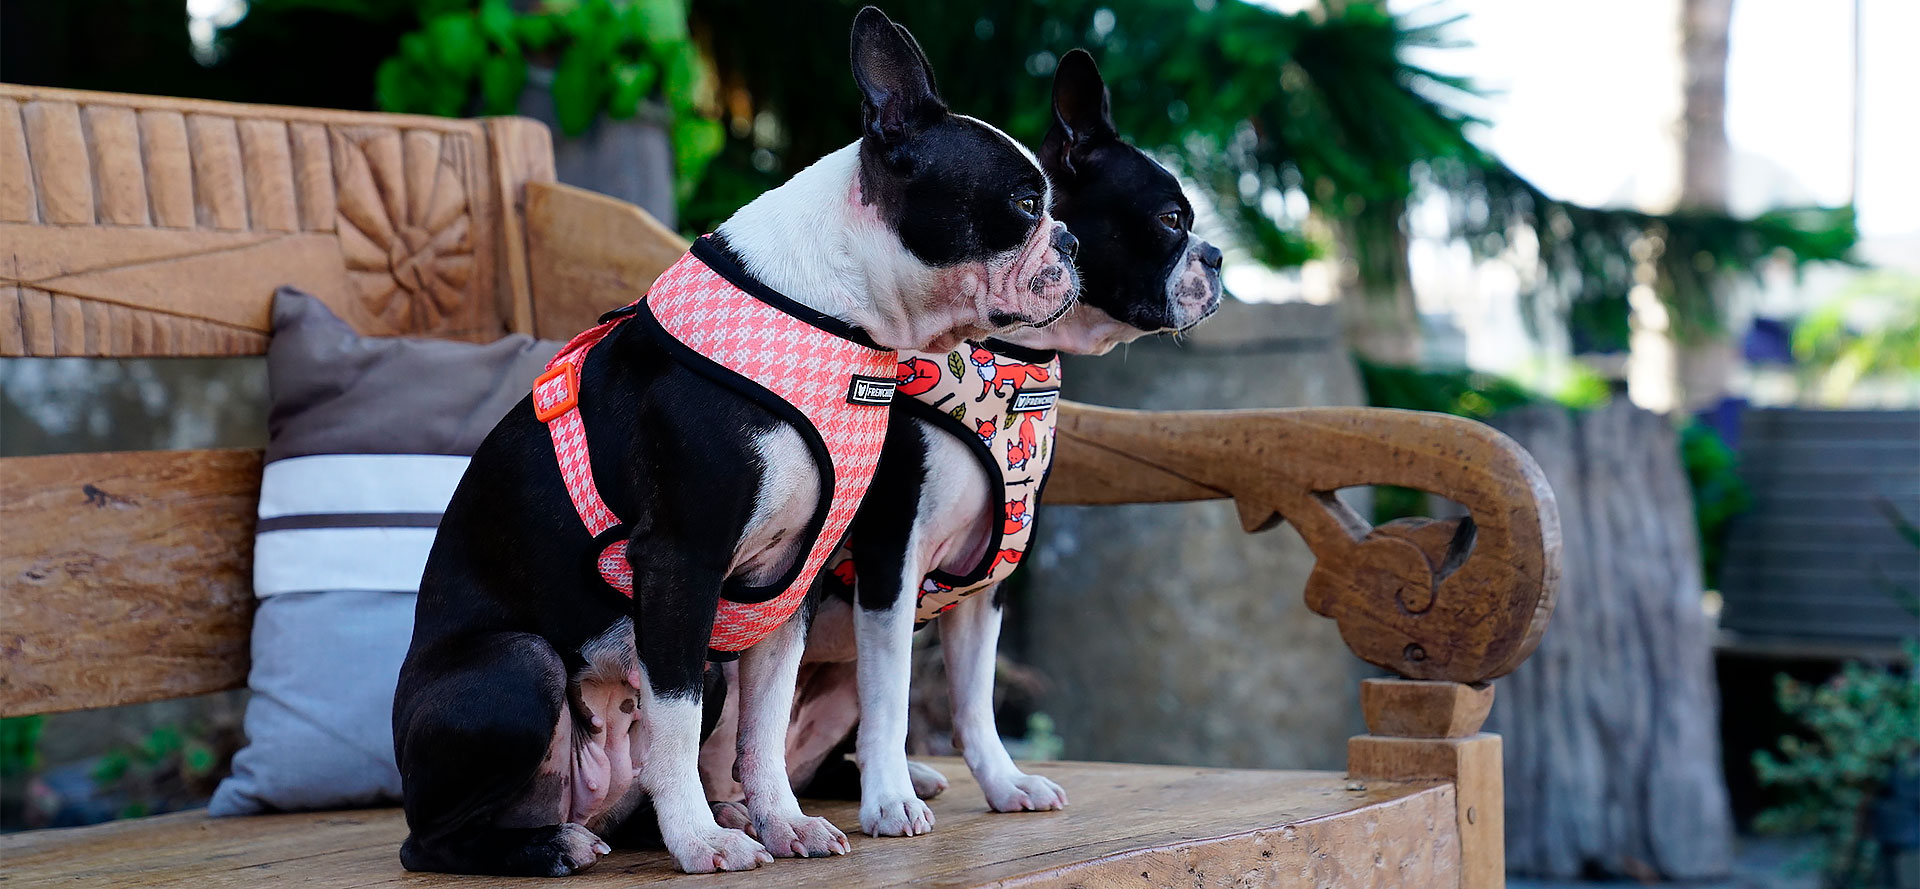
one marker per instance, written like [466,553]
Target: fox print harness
[1000,400]
[816,373]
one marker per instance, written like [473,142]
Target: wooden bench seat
[1129,825]
[136,226]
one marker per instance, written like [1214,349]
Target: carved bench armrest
[1459,599]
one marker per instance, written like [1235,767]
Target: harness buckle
[556,391]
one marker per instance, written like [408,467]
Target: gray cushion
[368,435]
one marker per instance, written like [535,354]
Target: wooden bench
[143,226]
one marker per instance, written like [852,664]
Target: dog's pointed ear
[896,85]
[1082,113]
[933,85]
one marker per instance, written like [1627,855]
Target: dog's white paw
[718,849]
[903,816]
[576,848]
[730,814]
[1021,792]
[927,783]
[800,836]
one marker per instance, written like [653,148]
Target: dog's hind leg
[481,743]
[768,672]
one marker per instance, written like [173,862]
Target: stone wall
[1164,632]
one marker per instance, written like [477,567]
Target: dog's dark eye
[1171,219]
[1029,206]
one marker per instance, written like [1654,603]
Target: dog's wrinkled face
[1139,259]
[968,202]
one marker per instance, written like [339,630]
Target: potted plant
[1853,776]
[621,80]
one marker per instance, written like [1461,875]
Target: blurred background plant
[1852,772]
[1868,333]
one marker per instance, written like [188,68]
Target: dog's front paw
[927,783]
[573,848]
[1021,792]
[800,836]
[895,817]
[730,814]
[718,849]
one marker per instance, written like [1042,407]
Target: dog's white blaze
[1047,184]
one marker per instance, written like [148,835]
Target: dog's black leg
[475,734]
[676,589]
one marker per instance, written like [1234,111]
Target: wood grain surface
[1454,599]
[125,577]
[147,226]
[1129,825]
[590,253]
[1471,765]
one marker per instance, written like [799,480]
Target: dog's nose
[1065,242]
[1210,256]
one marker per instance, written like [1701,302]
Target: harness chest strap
[818,375]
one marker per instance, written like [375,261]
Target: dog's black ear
[932,84]
[1082,113]
[896,85]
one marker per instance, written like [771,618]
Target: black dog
[539,705]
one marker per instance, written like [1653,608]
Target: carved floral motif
[405,225]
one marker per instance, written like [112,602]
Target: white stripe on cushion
[323,559]
[359,483]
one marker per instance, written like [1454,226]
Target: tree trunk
[1613,761]
[1704,370]
[1376,285]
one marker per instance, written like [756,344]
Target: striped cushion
[368,438]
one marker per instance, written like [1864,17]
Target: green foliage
[1860,729]
[1591,257]
[1457,391]
[171,768]
[19,744]
[1719,493]
[1871,330]
[608,57]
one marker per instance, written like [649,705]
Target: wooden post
[1430,731]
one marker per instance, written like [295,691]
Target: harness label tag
[1028,401]
[876,391]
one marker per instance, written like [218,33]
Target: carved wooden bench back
[138,226]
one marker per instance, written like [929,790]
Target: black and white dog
[538,706]
[934,513]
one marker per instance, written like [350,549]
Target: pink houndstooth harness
[805,367]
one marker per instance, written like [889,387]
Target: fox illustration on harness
[995,376]
[1021,449]
[1017,516]
[917,376]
